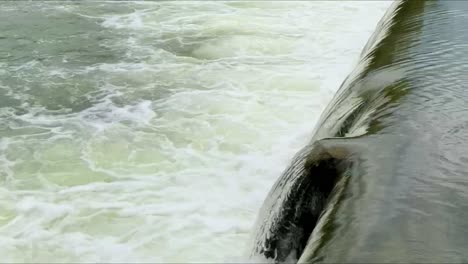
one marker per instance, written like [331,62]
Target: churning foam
[158,139]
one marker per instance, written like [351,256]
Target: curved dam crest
[384,178]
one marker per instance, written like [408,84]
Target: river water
[152,131]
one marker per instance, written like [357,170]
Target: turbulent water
[152,132]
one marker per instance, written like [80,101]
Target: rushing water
[152,132]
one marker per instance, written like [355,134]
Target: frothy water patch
[152,132]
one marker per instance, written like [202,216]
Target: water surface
[152,132]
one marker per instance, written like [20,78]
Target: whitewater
[153,131]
